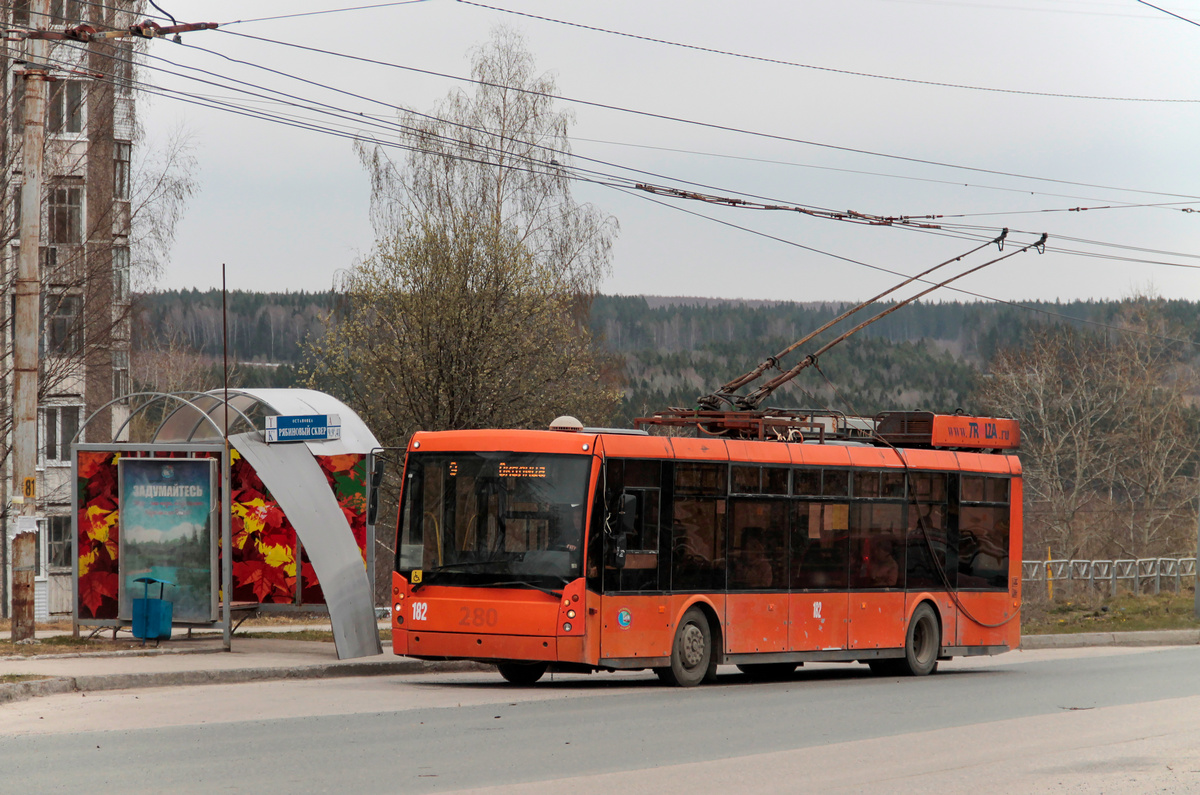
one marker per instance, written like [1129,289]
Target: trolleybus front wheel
[692,658]
[522,673]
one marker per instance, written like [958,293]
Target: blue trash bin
[152,617]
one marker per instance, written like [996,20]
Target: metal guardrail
[1137,573]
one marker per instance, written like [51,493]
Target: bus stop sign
[303,428]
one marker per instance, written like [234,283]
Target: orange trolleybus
[594,549]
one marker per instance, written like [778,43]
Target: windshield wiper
[555,594]
[470,564]
[449,567]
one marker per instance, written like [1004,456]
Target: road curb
[121,653]
[1159,637]
[231,676]
[19,691]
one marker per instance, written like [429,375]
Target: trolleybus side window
[984,533]
[745,479]
[698,527]
[758,480]
[877,531]
[806,483]
[633,503]
[835,483]
[820,541]
[929,528]
[758,544]
[636,532]
[877,558]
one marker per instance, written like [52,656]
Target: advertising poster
[167,519]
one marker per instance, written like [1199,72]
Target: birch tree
[471,309]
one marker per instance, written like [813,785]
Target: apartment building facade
[84,263]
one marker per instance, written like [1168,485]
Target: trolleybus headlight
[567,627]
[570,614]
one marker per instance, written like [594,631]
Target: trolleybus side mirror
[376,482]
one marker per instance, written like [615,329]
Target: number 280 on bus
[602,549]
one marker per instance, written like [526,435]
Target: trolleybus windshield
[494,519]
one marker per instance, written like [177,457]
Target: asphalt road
[1093,720]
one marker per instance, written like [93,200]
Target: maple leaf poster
[167,519]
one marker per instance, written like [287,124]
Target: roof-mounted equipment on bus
[913,429]
[955,431]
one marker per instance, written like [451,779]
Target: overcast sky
[287,208]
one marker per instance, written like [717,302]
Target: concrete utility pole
[26,324]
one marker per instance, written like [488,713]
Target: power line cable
[1158,205]
[358,118]
[960,290]
[967,233]
[694,122]
[486,132]
[550,149]
[1039,8]
[1170,13]
[849,72]
[322,108]
[804,208]
[326,11]
[315,127]
[348,115]
[676,119]
[985,230]
[462,125]
[615,143]
[160,10]
[793,164]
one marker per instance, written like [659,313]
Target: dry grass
[61,625]
[322,635]
[285,619]
[1084,612]
[12,679]
[65,644]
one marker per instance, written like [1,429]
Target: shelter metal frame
[208,406]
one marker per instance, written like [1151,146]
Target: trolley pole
[26,321]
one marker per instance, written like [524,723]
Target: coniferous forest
[667,351]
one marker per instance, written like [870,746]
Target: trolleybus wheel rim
[692,646]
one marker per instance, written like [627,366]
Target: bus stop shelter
[218,498]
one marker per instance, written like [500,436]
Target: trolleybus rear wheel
[691,652]
[923,643]
[522,673]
